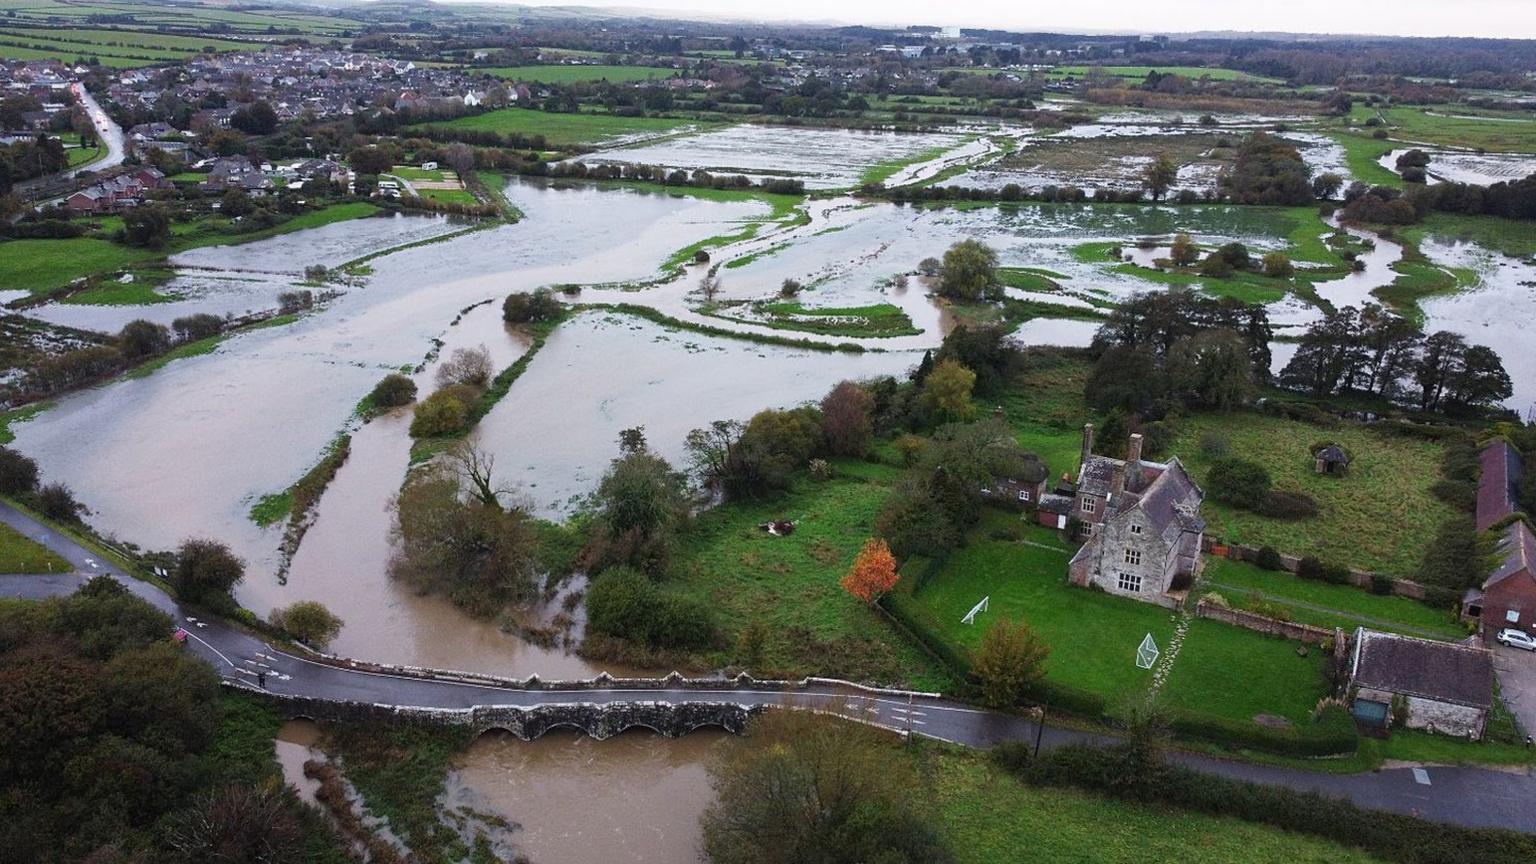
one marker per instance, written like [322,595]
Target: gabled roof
[1498,483]
[1441,671]
[1517,554]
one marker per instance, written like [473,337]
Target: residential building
[1143,524]
[1439,687]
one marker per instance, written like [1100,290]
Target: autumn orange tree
[873,572]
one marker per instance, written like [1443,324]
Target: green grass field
[988,817]
[1275,680]
[1497,136]
[1510,236]
[1361,153]
[1376,518]
[790,585]
[20,554]
[1093,635]
[573,73]
[1345,606]
[568,130]
[1139,73]
[1046,411]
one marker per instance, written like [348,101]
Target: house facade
[1143,524]
[1507,598]
[1440,687]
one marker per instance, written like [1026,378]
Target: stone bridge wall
[598,721]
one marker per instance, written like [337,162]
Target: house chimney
[1133,461]
[1087,447]
[1116,484]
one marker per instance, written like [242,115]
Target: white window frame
[1129,582]
[1135,529]
[1512,616]
[1023,494]
[1089,505]
[1133,557]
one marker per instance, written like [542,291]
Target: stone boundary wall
[527,723]
[604,681]
[1264,624]
[1291,563]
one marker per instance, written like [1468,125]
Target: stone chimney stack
[1133,461]
[1116,482]
[1087,447]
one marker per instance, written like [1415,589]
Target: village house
[1507,598]
[1143,524]
[1023,489]
[117,192]
[1439,687]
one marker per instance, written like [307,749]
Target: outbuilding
[1440,687]
[1331,459]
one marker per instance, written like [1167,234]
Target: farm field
[1140,73]
[789,585]
[1388,489]
[1435,125]
[568,130]
[570,73]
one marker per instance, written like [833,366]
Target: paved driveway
[1516,669]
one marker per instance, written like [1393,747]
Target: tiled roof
[1496,487]
[1441,671]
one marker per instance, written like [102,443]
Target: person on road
[261,678]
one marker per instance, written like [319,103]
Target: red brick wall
[1517,592]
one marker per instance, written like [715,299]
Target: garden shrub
[1268,559]
[624,603]
[1238,483]
[1381,584]
[1279,504]
[1310,568]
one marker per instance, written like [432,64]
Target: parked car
[1516,639]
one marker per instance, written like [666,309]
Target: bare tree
[470,366]
[475,469]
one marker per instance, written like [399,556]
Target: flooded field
[1497,313]
[1464,166]
[328,245]
[823,158]
[636,797]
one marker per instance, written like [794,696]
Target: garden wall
[1264,624]
[1291,563]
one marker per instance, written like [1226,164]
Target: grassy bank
[568,130]
[20,554]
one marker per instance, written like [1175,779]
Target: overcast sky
[1497,18]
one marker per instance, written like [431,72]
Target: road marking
[1421,777]
[213,649]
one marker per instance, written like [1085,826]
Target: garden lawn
[21,554]
[567,130]
[1093,635]
[789,585]
[1377,518]
[988,816]
[1044,406]
[1343,606]
[1238,674]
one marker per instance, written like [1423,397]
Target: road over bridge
[332,688]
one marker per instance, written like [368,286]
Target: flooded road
[636,797]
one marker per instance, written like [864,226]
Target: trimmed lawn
[1342,605]
[21,554]
[567,130]
[1238,674]
[789,585]
[1093,635]
[1377,518]
[572,73]
[988,816]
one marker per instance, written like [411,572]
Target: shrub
[204,570]
[1268,559]
[528,308]
[1214,444]
[200,325]
[1238,483]
[392,391]
[309,622]
[467,366]
[140,339]
[1310,568]
[624,603]
[1381,584]
[18,473]
[1278,504]
[1278,265]
[443,413]
[58,502]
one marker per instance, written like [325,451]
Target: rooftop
[1442,671]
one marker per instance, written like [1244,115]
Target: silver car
[1516,639]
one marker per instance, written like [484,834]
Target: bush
[1268,559]
[1277,265]
[392,391]
[205,571]
[18,473]
[445,412]
[1279,504]
[200,325]
[58,502]
[140,339]
[1333,733]
[466,366]
[1214,444]
[524,308]
[1382,584]
[1238,483]
[622,602]
[309,622]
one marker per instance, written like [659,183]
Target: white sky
[1495,18]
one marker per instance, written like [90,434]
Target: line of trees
[138,341]
[1373,352]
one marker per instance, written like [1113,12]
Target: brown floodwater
[636,797]
[296,740]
